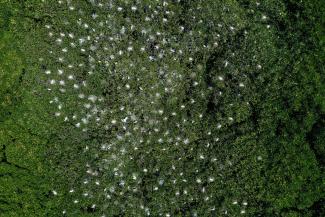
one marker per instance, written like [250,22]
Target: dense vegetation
[162,108]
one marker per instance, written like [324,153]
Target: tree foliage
[172,108]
